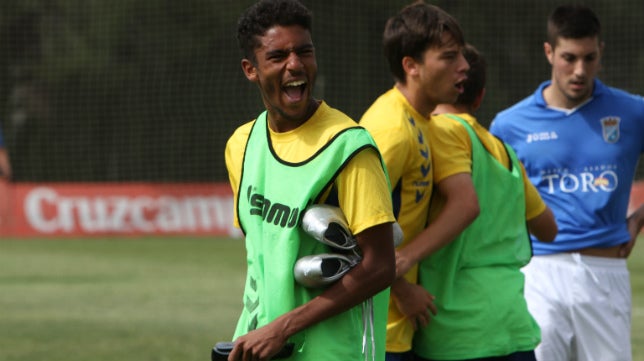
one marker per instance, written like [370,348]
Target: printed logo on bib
[272,212]
[422,183]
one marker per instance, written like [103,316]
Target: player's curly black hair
[265,14]
[476,76]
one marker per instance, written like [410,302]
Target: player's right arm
[234,158]
[5,165]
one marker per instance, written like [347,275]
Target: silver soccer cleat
[398,234]
[321,270]
[328,225]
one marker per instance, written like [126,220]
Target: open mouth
[295,90]
[460,87]
[577,84]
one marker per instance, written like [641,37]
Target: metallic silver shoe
[328,225]
[398,234]
[321,270]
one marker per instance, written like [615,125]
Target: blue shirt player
[580,142]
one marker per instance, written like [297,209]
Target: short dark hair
[263,15]
[476,76]
[416,28]
[572,22]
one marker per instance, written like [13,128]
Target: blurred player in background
[422,44]
[301,151]
[580,142]
[476,277]
[5,164]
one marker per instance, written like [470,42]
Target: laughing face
[285,69]
[575,63]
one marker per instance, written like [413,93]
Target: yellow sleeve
[534,204]
[363,192]
[451,148]
[394,147]
[233,156]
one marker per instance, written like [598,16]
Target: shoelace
[577,257]
[368,329]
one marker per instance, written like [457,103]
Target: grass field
[125,300]
[141,299]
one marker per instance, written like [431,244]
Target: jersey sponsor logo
[541,136]
[276,213]
[425,168]
[251,305]
[610,128]
[590,180]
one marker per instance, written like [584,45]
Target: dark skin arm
[543,226]
[374,273]
[413,301]
[634,222]
[5,165]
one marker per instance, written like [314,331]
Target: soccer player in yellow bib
[423,46]
[294,154]
[476,277]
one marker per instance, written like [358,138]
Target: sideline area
[30,210]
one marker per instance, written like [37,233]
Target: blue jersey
[582,161]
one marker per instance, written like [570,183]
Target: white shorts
[583,306]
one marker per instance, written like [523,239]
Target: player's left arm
[634,222]
[459,211]
[451,150]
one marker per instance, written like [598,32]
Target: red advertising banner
[129,209]
[102,209]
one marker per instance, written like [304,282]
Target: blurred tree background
[150,90]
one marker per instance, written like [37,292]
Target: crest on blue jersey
[610,129]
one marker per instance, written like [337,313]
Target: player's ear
[549,52]
[249,70]
[410,66]
[476,104]
[601,53]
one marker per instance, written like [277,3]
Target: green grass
[144,299]
[147,299]
[636,268]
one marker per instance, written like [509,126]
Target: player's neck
[417,99]
[555,98]
[450,108]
